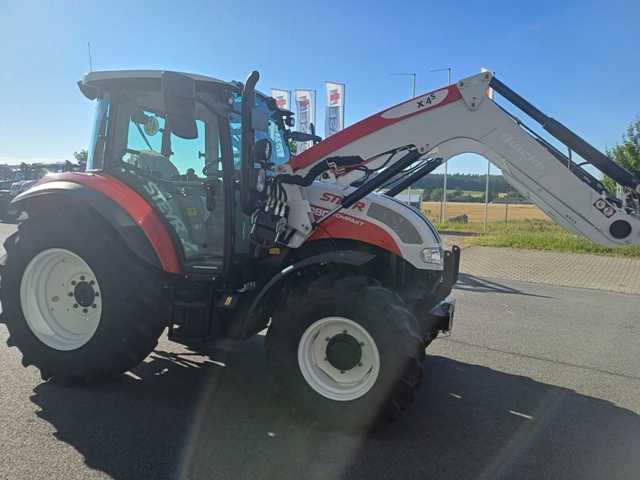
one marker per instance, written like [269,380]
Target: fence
[475,211]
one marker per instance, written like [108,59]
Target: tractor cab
[185,144]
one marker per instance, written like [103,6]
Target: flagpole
[315,95]
[413,95]
[344,96]
[486,196]
[413,90]
[444,187]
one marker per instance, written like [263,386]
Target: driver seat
[157,165]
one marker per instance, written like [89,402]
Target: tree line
[626,154]
[464,182]
[432,186]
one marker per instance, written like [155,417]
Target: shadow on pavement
[477,284]
[188,416]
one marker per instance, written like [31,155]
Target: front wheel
[346,351]
[77,303]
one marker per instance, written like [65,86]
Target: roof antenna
[90,65]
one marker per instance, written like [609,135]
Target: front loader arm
[461,118]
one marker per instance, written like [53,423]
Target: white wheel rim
[61,299]
[325,378]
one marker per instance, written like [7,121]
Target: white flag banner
[335,107]
[281,97]
[305,115]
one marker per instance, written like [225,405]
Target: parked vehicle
[352,285]
[23,180]
[8,212]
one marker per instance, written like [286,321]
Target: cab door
[185,180]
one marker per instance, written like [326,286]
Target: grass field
[537,235]
[526,226]
[533,234]
[475,211]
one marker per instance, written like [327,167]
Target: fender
[133,218]
[348,257]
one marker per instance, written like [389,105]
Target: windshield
[95,159]
[275,132]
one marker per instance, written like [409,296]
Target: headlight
[262,180]
[431,255]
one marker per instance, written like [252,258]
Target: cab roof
[95,82]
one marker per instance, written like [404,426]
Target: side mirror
[139,117]
[179,93]
[259,120]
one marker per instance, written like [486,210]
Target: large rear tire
[77,304]
[346,351]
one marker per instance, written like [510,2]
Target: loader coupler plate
[438,319]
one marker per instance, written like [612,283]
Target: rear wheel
[346,351]
[76,303]
[60,298]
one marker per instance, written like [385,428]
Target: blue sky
[577,61]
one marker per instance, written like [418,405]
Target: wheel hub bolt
[75,305]
[73,282]
[71,294]
[94,306]
[84,310]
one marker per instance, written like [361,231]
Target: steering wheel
[124,151]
